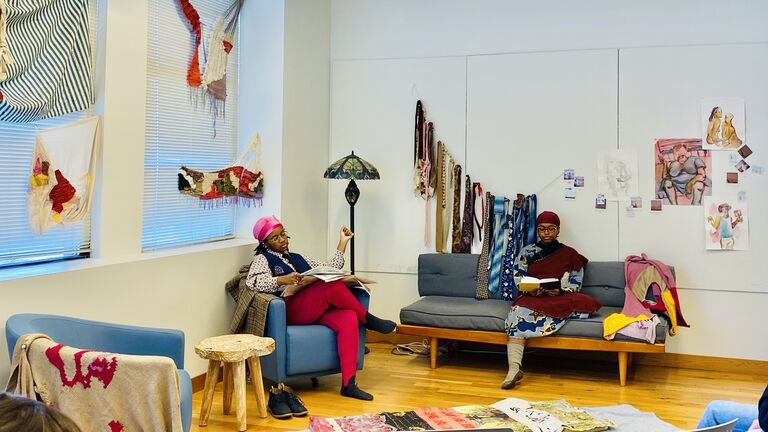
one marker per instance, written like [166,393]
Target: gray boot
[514,358]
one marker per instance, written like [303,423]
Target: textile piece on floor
[99,391]
[242,183]
[629,419]
[568,419]
[50,72]
[61,181]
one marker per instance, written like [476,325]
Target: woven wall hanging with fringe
[241,183]
[212,83]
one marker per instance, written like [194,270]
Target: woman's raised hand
[346,234]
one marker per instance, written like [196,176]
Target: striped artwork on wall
[51,73]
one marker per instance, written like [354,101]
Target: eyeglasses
[275,237]
[549,228]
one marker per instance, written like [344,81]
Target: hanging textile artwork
[242,182]
[445,167]
[5,55]
[509,226]
[213,82]
[456,216]
[61,181]
[425,172]
[45,59]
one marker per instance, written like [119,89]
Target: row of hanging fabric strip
[503,225]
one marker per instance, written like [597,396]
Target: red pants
[332,305]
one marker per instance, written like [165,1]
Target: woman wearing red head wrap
[544,310]
[309,300]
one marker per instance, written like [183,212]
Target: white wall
[181,289]
[305,125]
[430,28]
[366,33]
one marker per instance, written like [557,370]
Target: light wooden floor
[677,396]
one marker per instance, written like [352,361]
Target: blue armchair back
[116,338]
[304,351]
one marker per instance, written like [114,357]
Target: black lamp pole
[352,193]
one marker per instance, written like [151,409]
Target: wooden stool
[233,351]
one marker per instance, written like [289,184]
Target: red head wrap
[548,217]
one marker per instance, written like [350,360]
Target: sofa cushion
[489,315]
[604,281]
[592,327]
[457,313]
[453,275]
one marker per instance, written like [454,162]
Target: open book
[530,283]
[326,273]
[329,274]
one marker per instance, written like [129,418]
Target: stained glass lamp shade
[352,168]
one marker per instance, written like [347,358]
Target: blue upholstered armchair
[304,351]
[116,338]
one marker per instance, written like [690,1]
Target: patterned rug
[535,417]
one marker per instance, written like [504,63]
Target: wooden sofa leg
[623,357]
[433,352]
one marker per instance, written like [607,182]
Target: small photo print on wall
[600,202]
[732,177]
[722,121]
[578,181]
[656,205]
[727,226]
[569,174]
[742,166]
[636,202]
[570,193]
[682,171]
[745,151]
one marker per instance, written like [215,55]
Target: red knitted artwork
[101,368]
[116,426]
[61,193]
[1,96]
[212,194]
[193,18]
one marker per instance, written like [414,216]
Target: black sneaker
[277,404]
[294,402]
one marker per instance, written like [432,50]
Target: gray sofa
[448,309]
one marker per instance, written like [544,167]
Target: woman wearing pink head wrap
[544,310]
[309,300]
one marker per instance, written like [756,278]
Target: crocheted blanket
[99,391]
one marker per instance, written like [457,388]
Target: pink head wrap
[264,226]
[548,217]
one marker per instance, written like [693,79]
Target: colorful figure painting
[682,170]
[722,123]
[726,223]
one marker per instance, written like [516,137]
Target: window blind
[18,244]
[181,130]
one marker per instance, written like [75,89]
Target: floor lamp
[352,168]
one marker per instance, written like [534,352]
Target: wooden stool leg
[211,378]
[228,384]
[238,374]
[258,386]
[433,352]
